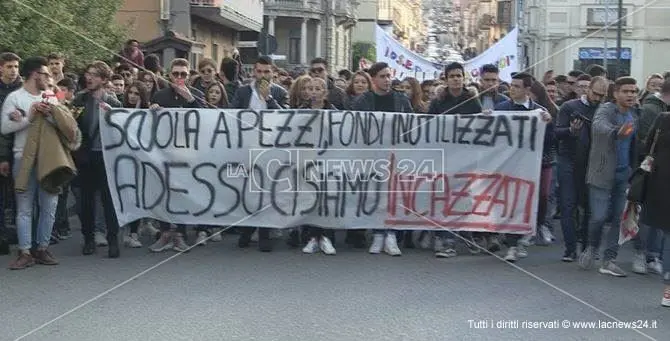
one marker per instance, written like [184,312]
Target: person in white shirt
[20,108]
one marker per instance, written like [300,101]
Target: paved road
[220,292]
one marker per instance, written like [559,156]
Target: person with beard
[573,131]
[92,172]
[490,79]
[9,82]
[19,109]
[612,157]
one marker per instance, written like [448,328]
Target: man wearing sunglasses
[177,95]
[573,131]
[319,69]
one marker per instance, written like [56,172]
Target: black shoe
[293,239]
[89,247]
[55,237]
[113,251]
[569,256]
[4,247]
[64,234]
[244,240]
[264,245]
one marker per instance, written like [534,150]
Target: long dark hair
[223,101]
[144,95]
[542,97]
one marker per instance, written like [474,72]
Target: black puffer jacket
[466,103]
[7,141]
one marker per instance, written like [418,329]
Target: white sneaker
[133,241]
[179,243]
[165,242]
[201,240]
[656,266]
[100,239]
[148,227]
[511,254]
[217,235]
[546,234]
[311,247]
[327,246]
[377,244]
[639,264]
[666,297]
[521,251]
[391,245]
[526,240]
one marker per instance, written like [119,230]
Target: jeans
[650,240]
[545,191]
[574,226]
[665,253]
[601,200]
[24,212]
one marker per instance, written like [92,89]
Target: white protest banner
[403,61]
[335,169]
[503,54]
[406,63]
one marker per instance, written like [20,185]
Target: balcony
[311,9]
[240,15]
[345,12]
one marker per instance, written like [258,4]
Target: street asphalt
[220,292]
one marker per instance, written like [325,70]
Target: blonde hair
[296,90]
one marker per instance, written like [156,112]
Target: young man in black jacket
[261,94]
[380,98]
[455,99]
[90,163]
[520,101]
[177,95]
[573,131]
[9,82]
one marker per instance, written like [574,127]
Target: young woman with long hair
[412,88]
[136,96]
[215,96]
[149,80]
[319,238]
[299,93]
[360,83]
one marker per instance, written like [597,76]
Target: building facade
[563,35]
[484,22]
[306,29]
[193,29]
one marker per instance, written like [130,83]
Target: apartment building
[192,29]
[485,22]
[306,29]
[562,35]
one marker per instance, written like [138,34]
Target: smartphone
[583,118]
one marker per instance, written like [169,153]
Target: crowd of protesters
[598,132]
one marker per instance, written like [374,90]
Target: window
[601,16]
[215,52]
[294,50]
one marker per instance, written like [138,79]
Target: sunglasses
[180,75]
[317,70]
[207,71]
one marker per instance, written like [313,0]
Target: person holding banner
[453,99]
[380,98]
[520,100]
[261,94]
[177,95]
[92,172]
[319,238]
